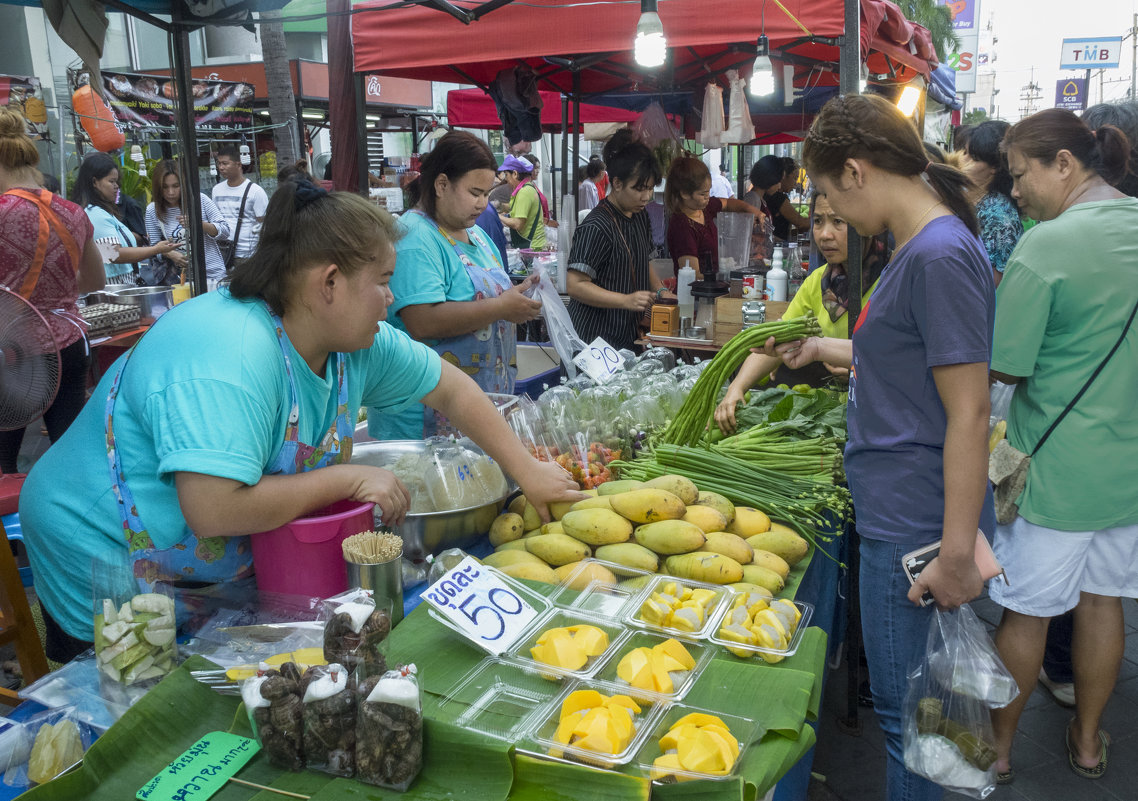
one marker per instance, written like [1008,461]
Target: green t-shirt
[1067,291]
[527,205]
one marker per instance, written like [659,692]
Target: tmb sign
[1071,94]
[1091,54]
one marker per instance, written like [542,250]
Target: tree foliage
[937,19]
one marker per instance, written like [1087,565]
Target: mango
[517,505]
[617,487]
[558,509]
[552,528]
[629,554]
[558,549]
[592,502]
[513,545]
[648,505]
[746,586]
[531,571]
[591,572]
[677,485]
[706,518]
[718,503]
[596,526]
[670,537]
[748,522]
[771,561]
[764,577]
[506,527]
[782,541]
[729,545]
[712,568]
[502,559]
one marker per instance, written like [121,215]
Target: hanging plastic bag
[948,728]
[389,731]
[566,340]
[276,713]
[329,720]
[740,128]
[711,134]
[655,130]
[355,629]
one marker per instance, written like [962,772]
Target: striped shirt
[613,250]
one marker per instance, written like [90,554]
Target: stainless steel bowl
[153,301]
[429,532]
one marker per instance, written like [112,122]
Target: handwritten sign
[480,605]
[599,361]
[202,770]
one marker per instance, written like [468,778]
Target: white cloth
[587,196]
[228,201]
[721,187]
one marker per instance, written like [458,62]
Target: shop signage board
[600,361]
[143,101]
[1071,94]
[201,770]
[965,21]
[1094,53]
[481,606]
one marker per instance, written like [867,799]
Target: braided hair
[870,128]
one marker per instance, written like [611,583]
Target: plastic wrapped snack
[272,699]
[134,637]
[459,478]
[329,720]
[354,632]
[389,744]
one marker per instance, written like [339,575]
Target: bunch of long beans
[770,447]
[691,422]
[802,503]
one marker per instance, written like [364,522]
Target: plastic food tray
[558,618]
[608,600]
[535,599]
[807,610]
[744,730]
[498,699]
[545,725]
[633,618]
[702,653]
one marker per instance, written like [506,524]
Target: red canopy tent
[473,108]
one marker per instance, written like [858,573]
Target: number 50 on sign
[480,606]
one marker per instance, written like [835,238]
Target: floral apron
[225,556]
[489,355]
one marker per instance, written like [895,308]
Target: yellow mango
[629,554]
[712,568]
[763,576]
[677,485]
[648,505]
[728,544]
[516,545]
[771,562]
[530,571]
[502,559]
[748,522]
[558,509]
[746,586]
[506,527]
[592,502]
[706,518]
[617,487]
[718,503]
[552,528]
[592,572]
[782,541]
[669,537]
[596,526]
[675,649]
[557,549]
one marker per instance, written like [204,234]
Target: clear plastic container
[771,654]
[609,599]
[563,618]
[498,699]
[701,654]
[539,602]
[744,730]
[656,583]
[545,726]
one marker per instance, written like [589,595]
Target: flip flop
[1007,777]
[1098,770]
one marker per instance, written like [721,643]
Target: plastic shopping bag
[948,728]
[566,340]
[740,128]
[711,133]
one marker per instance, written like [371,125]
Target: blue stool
[12,528]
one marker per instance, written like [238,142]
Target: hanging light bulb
[650,48]
[762,74]
[245,158]
[139,160]
[863,81]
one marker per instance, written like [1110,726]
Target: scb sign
[1103,52]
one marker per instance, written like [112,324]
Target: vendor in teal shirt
[451,290]
[235,414]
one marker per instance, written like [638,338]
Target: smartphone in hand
[916,561]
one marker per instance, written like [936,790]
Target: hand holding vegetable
[382,488]
[515,307]
[546,482]
[725,411]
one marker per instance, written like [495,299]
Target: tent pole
[739,172]
[565,177]
[188,145]
[363,158]
[576,132]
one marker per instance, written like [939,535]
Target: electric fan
[29,362]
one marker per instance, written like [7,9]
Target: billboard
[1071,94]
[965,16]
[144,101]
[24,94]
[1091,54]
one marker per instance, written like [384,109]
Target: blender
[705,292]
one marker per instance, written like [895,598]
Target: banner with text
[145,101]
[1071,94]
[1095,53]
[965,16]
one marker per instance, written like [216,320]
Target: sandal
[1098,770]
[1007,777]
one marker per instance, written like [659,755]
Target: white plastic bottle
[683,289]
[776,278]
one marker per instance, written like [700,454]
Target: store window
[153,50]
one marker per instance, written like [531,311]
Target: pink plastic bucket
[304,557]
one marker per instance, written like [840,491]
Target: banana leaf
[537,779]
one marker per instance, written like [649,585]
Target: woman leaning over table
[611,283]
[1067,297]
[825,292]
[917,454]
[996,210]
[451,290]
[248,425]
[164,220]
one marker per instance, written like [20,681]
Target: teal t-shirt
[205,391]
[1067,291]
[427,270]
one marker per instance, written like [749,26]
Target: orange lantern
[97,119]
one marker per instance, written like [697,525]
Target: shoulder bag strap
[241,214]
[1090,380]
[47,218]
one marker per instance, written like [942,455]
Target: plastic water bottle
[683,289]
[796,274]
[776,278]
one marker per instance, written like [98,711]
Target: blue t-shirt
[107,227]
[205,391]
[933,306]
[427,271]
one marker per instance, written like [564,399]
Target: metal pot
[153,301]
[429,532]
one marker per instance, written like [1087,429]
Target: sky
[1030,35]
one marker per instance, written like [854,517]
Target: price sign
[202,770]
[599,361]
[483,608]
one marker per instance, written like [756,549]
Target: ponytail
[1042,135]
[953,186]
[1113,154]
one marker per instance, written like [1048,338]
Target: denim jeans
[894,631]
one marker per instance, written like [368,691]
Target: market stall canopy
[473,108]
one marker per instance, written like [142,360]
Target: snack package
[389,732]
[47,745]
[273,701]
[135,630]
[329,720]
[354,632]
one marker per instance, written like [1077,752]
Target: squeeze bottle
[684,280]
[776,278]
